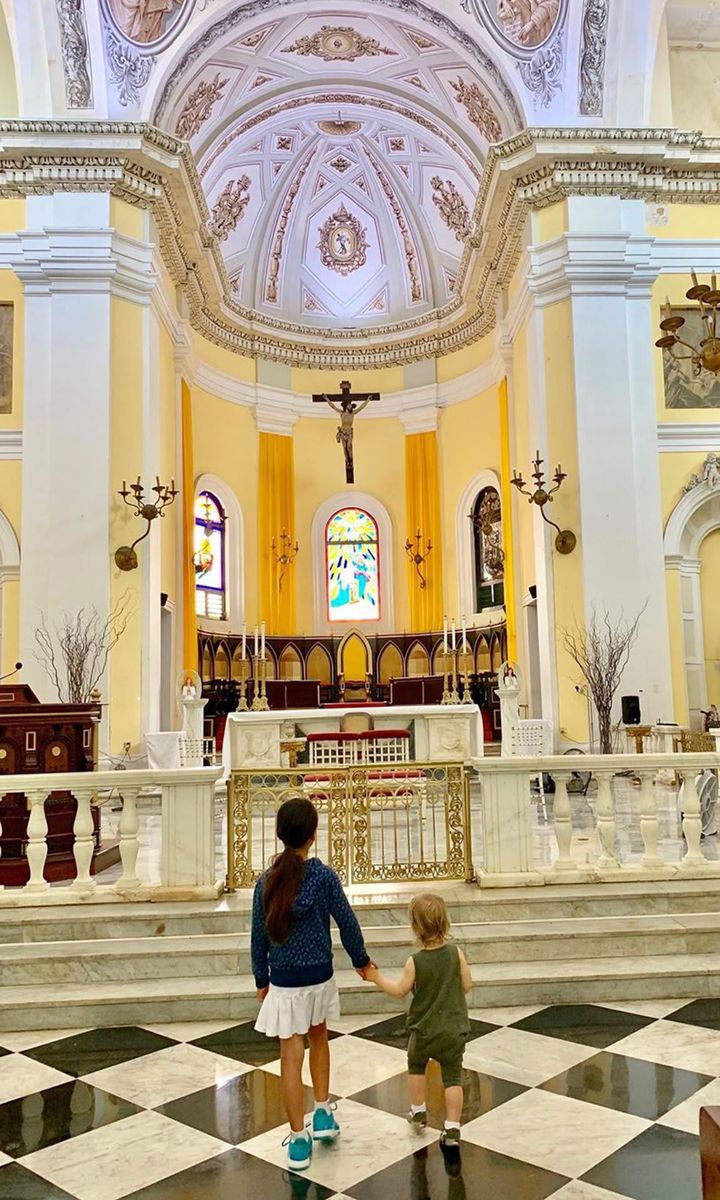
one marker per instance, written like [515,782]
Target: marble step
[147,1002]
[466,902]
[225,954]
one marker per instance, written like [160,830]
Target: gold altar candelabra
[260,700]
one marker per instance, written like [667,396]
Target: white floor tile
[523,1057]
[686,1116]
[577,1190]
[26,1039]
[164,1075]
[192,1030]
[355,1064]
[675,1045]
[505,1016]
[20,1076]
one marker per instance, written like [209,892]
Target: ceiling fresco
[520,26]
[148,23]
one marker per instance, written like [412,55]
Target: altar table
[441,732]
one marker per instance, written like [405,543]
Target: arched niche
[417,661]
[9,570]
[238,667]
[496,654]
[207,670]
[8,84]
[390,664]
[438,658]
[291,664]
[222,662]
[381,517]
[234,545]
[319,665]
[483,661]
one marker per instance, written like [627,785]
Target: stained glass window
[489,556]
[352,566]
[209,557]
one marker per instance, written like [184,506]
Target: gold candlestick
[243,705]
[264,706]
[466,660]
[260,700]
[454,695]
[446,697]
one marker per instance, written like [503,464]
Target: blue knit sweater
[306,957]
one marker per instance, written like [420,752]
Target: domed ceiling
[340,156]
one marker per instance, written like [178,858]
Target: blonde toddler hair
[429,918]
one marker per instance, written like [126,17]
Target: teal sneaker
[299,1150]
[324,1127]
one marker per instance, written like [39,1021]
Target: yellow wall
[10,505]
[709,586]
[11,290]
[452,366]
[307,381]
[8,85]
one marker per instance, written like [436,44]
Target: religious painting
[6,357]
[352,566]
[520,25]
[146,22]
[684,389]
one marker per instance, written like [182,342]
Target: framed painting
[684,389]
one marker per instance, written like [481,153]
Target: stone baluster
[562,819]
[129,842]
[37,841]
[692,823]
[606,821]
[84,841]
[651,860]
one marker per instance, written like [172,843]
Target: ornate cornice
[537,167]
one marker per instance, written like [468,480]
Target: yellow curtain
[422,487]
[187,496]
[507,522]
[276,511]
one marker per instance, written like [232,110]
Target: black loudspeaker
[163,599]
[630,710]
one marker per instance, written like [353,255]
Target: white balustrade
[187,858]
[621,837]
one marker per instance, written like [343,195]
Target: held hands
[261,993]
[368,973]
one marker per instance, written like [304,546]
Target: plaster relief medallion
[340,128]
[453,209]
[478,108]
[6,357]
[343,242]
[151,23]
[519,26]
[230,207]
[199,105]
[337,43]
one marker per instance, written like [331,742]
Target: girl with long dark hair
[293,968]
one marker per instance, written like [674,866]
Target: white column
[603,265]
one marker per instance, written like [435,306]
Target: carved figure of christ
[347,407]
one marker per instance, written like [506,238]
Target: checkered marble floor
[578,1102]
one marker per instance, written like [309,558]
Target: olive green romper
[438,1017]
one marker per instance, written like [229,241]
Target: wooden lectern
[45,738]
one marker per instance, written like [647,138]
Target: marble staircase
[103,964]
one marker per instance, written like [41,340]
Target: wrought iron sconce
[416,556]
[565,542]
[134,496]
[287,554]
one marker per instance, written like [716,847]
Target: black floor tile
[660,1164]
[244,1043]
[97,1049]
[705,1013]
[629,1085]
[17,1183]
[236,1111]
[588,1024]
[484,1175]
[56,1114]
[481,1094]
[4,1051]
[232,1176]
[393,1032]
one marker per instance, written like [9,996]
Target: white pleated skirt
[286,1011]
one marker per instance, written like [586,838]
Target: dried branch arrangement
[75,653]
[602,651]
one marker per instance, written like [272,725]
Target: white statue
[508,692]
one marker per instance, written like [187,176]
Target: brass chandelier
[706,356]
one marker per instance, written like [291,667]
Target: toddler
[438,1025]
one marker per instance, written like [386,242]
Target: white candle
[464,634]
[445,627]
[256,641]
[244,639]
[454,635]
[262,640]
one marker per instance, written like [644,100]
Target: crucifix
[347,407]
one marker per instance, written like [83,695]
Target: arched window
[352,566]
[209,557]
[488,556]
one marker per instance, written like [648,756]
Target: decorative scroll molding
[542,74]
[75,55]
[592,57]
[453,209]
[145,166]
[130,72]
[337,43]
[478,108]
[229,208]
[271,287]
[199,105]
[411,259]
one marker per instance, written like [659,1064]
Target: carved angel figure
[528,22]
[143,20]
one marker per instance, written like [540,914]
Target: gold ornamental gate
[409,822]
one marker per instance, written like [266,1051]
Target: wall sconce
[565,542]
[416,556]
[287,554]
[125,557]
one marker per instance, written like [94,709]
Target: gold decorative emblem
[340,128]
[478,108]
[337,43]
[453,209]
[343,242]
[199,106]
[230,207]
